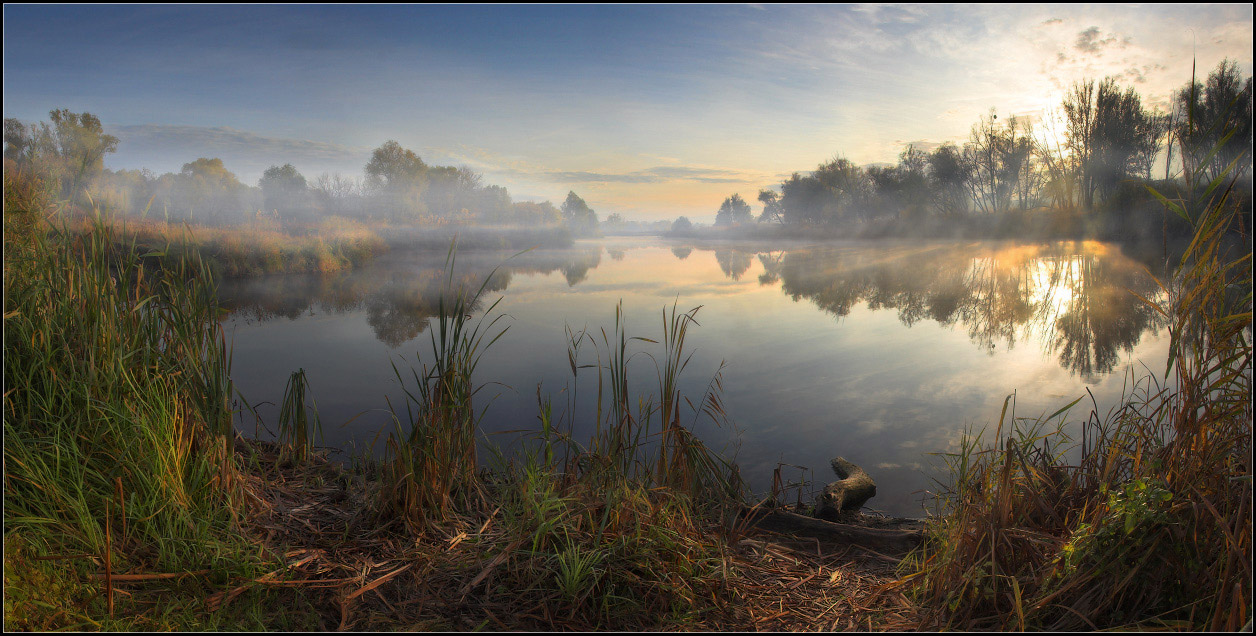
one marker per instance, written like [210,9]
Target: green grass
[117,420]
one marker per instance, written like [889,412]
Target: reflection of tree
[1081,300]
[682,252]
[398,297]
[771,262]
[1100,316]
[577,269]
[733,262]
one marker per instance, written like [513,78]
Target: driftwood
[853,488]
[788,523]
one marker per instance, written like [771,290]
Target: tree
[397,177]
[682,225]
[834,192]
[392,166]
[206,187]
[1109,133]
[1217,114]
[83,145]
[578,215]
[772,210]
[989,179]
[948,174]
[71,150]
[284,189]
[734,211]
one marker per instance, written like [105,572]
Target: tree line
[68,153]
[1094,157]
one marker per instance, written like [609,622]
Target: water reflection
[1073,299]
[398,294]
[1077,299]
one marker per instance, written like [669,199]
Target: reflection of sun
[1053,286]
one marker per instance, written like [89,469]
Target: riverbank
[132,504]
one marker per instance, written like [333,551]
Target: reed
[431,468]
[1146,521]
[118,451]
[298,422]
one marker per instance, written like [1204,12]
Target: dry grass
[475,570]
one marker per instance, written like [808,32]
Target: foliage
[734,211]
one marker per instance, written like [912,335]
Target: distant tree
[578,215]
[83,145]
[71,150]
[615,218]
[903,188]
[284,190]
[836,191]
[990,178]
[337,195]
[847,188]
[734,211]
[772,210]
[1220,109]
[948,174]
[1108,131]
[529,213]
[397,177]
[493,204]
[682,225]
[206,188]
[392,166]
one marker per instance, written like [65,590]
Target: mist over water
[881,352]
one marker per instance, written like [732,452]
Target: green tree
[284,190]
[397,177]
[205,187]
[772,210]
[734,211]
[83,145]
[72,150]
[578,215]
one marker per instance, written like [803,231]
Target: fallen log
[851,491]
[788,523]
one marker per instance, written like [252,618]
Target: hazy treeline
[1088,162]
[397,186]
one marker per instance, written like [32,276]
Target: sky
[649,111]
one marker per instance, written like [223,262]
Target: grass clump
[118,451]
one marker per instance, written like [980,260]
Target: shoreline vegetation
[131,502]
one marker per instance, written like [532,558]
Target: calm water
[879,352]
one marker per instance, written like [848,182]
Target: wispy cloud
[226,139]
[166,146]
[658,174]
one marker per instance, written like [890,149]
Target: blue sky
[650,111]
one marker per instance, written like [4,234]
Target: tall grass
[298,422]
[1147,522]
[431,468]
[117,424]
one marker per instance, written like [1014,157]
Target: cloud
[1088,41]
[657,174]
[166,147]
[220,139]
